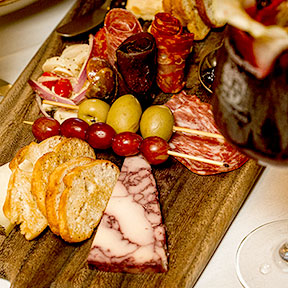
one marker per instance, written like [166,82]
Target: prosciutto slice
[173,46]
[131,236]
[119,24]
[191,113]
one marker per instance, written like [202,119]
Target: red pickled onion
[42,79]
[82,74]
[47,94]
[77,98]
[39,102]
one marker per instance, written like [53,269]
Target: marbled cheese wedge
[131,237]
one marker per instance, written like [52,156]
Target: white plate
[4,283]
[8,6]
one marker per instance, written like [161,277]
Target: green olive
[93,110]
[124,114]
[157,120]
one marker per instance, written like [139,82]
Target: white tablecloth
[21,35]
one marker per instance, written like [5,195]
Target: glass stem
[283,251]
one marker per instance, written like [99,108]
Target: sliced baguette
[169,6]
[64,151]
[206,10]
[187,13]
[20,206]
[88,189]
[33,151]
[195,23]
[56,187]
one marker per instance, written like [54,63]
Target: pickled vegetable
[124,114]
[157,120]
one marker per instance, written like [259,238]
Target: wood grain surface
[197,210]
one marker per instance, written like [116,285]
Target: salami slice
[173,46]
[100,45]
[191,113]
[136,61]
[119,24]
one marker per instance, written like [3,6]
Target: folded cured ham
[131,236]
[119,24]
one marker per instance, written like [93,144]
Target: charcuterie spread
[98,96]
[131,244]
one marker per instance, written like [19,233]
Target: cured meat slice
[136,61]
[173,46]
[131,237]
[119,24]
[191,113]
[100,45]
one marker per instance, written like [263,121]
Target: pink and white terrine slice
[131,235]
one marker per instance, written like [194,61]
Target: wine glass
[252,114]
[250,108]
[206,69]
[262,257]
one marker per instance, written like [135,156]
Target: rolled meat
[119,24]
[173,47]
[136,61]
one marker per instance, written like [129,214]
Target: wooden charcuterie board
[197,210]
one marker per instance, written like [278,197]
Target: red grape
[45,127]
[99,135]
[74,127]
[126,143]
[154,149]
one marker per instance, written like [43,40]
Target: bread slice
[188,15]
[32,152]
[145,9]
[169,6]
[195,23]
[88,189]
[20,206]
[45,165]
[56,187]
[206,10]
